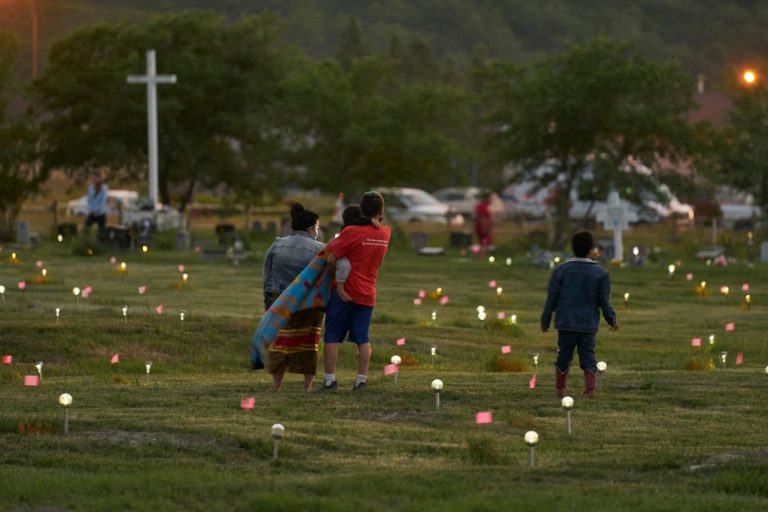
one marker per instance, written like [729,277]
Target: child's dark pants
[584,342]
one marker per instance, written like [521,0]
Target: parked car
[116,199]
[136,212]
[413,205]
[526,199]
[143,218]
[737,208]
[463,200]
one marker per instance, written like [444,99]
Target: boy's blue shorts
[342,318]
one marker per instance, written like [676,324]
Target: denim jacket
[578,290]
[286,258]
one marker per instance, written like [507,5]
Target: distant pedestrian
[578,291]
[295,349]
[337,217]
[484,222]
[97,203]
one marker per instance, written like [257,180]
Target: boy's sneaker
[330,387]
[359,386]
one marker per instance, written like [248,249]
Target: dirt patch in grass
[133,438]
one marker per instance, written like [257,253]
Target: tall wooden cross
[151,79]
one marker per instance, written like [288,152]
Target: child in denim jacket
[578,291]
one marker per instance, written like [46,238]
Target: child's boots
[561,381]
[590,384]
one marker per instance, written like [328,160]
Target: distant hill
[707,36]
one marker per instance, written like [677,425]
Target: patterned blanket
[311,289]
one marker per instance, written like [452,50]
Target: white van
[404,204]
[525,198]
[116,199]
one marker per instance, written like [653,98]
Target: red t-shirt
[365,248]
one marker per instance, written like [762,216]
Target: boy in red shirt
[365,247]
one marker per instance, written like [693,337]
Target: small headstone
[460,239]
[67,230]
[183,240]
[117,237]
[418,240]
[226,234]
[23,233]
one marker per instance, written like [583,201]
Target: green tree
[20,176]
[365,127]
[229,78]
[351,46]
[743,146]
[582,117]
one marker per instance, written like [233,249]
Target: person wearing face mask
[295,349]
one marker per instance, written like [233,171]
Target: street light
[749,76]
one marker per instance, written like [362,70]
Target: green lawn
[181,441]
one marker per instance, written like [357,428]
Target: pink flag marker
[506,349]
[730,326]
[31,380]
[484,417]
[22,285]
[400,342]
[739,358]
[159,309]
[115,359]
[492,283]
[113,260]
[39,263]
[391,369]
[444,300]
[745,287]
[181,268]
[422,294]
[696,342]
[475,249]
[142,290]
[689,276]
[86,292]
[417,302]
[501,315]
[248,403]
[532,382]
[7,359]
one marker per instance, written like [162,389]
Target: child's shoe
[590,384]
[561,381]
[330,387]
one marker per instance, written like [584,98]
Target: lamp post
[277,434]
[531,439]
[567,404]
[601,367]
[65,399]
[437,386]
[396,360]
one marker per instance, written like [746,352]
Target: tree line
[253,113]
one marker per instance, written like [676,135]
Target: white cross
[152,79]
[616,217]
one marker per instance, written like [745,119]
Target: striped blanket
[311,289]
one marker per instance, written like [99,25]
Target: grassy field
[665,433]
